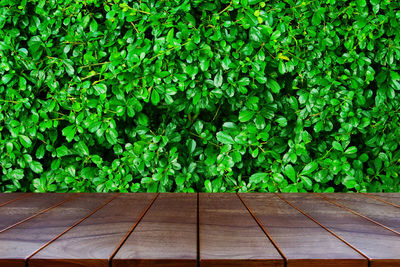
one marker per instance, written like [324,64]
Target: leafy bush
[199,95]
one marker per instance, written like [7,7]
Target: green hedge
[199,95]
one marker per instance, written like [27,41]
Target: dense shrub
[199,95]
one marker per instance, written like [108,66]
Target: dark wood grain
[302,241]
[392,198]
[27,207]
[373,209]
[6,198]
[20,242]
[166,235]
[93,242]
[229,236]
[374,241]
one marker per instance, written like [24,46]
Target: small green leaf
[25,141]
[40,152]
[258,177]
[282,121]
[111,136]
[69,132]
[309,168]
[244,81]
[290,172]
[155,97]
[208,186]
[351,150]
[307,181]
[274,86]
[170,36]
[36,166]
[83,148]
[246,115]
[218,80]
[225,138]
[62,151]
[336,145]
[100,88]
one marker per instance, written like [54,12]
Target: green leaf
[351,150]
[218,79]
[7,78]
[225,138]
[208,186]
[336,145]
[258,177]
[111,136]
[290,172]
[62,151]
[246,115]
[17,174]
[34,44]
[198,126]
[282,121]
[25,141]
[155,97]
[274,86]
[362,3]
[36,167]
[307,181]
[309,168]
[170,36]
[191,145]
[82,147]
[100,88]
[244,81]
[255,34]
[40,152]
[69,132]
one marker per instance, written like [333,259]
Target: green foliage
[185,96]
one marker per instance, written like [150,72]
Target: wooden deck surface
[257,229]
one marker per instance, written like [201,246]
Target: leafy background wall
[199,95]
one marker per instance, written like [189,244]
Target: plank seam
[72,226]
[325,228]
[15,199]
[380,199]
[264,230]
[358,214]
[37,214]
[131,230]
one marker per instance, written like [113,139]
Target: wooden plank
[377,243]
[391,198]
[93,242]
[20,242]
[24,208]
[371,208]
[302,241]
[6,198]
[229,235]
[166,235]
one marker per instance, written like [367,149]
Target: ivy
[187,96]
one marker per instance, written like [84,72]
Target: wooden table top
[173,229]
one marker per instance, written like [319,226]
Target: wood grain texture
[229,236]
[93,242]
[166,235]
[392,198]
[26,207]
[20,242]
[302,241]
[377,243]
[371,208]
[6,198]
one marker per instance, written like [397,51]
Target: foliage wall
[221,96]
